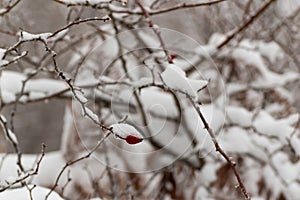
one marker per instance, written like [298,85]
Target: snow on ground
[37,193]
[49,169]
[50,165]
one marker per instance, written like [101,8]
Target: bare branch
[9,7]
[247,23]
[229,159]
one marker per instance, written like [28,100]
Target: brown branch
[184,6]
[12,141]
[107,6]
[9,8]
[80,21]
[156,30]
[9,33]
[67,80]
[15,59]
[229,159]
[246,24]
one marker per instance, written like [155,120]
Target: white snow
[158,102]
[2,61]
[255,53]
[295,143]
[202,193]
[11,84]
[291,119]
[2,11]
[80,96]
[265,146]
[208,173]
[263,140]
[287,7]
[239,116]
[25,36]
[250,58]
[154,101]
[216,39]
[237,140]
[284,93]
[265,124]
[292,191]
[34,95]
[11,81]
[13,136]
[3,118]
[58,36]
[50,165]
[213,115]
[232,88]
[257,198]
[252,177]
[38,193]
[254,58]
[106,79]
[286,170]
[47,86]
[8,97]
[142,82]
[91,114]
[124,130]
[149,39]
[67,129]
[175,78]
[271,50]
[272,182]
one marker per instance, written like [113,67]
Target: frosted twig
[12,141]
[80,21]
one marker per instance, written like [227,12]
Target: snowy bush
[144,111]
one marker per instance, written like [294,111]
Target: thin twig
[9,8]
[246,24]
[28,174]
[156,30]
[70,163]
[219,149]
[12,141]
[80,21]
[184,6]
